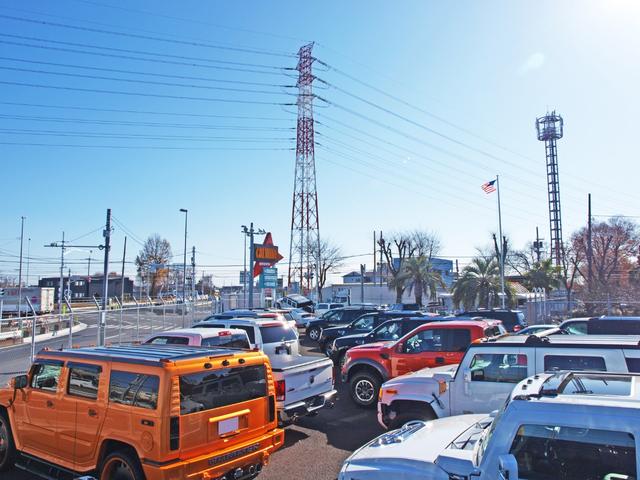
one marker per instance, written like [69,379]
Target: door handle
[92,413]
[49,404]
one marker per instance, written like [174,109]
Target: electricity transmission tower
[304,249]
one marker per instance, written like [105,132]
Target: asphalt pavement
[315,447]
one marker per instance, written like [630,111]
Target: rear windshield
[235,340]
[213,389]
[277,333]
[168,340]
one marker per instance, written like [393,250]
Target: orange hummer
[142,412]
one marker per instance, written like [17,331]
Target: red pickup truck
[433,344]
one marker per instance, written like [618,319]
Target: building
[442,265]
[82,287]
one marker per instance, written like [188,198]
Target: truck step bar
[48,471]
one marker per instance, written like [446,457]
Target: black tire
[326,348]
[364,388]
[8,452]
[411,415]
[314,333]
[121,465]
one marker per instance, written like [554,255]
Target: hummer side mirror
[507,467]
[20,382]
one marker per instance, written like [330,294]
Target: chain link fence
[131,323]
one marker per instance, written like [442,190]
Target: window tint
[366,322]
[208,325]
[207,390]
[235,340]
[439,340]
[498,367]
[568,362]
[277,333]
[335,305]
[133,389]
[168,340]
[84,380]
[633,364]
[322,306]
[45,377]
[577,328]
[247,328]
[548,452]
[388,331]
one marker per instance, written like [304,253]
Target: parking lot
[315,447]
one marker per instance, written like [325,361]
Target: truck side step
[46,470]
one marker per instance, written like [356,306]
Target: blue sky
[474,76]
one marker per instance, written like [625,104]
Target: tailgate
[306,379]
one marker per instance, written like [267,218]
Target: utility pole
[89,264]
[502,252]
[251,232]
[193,271]
[184,265]
[374,257]
[589,246]
[28,258]
[537,246]
[124,255]
[105,292]
[362,272]
[381,270]
[20,271]
[61,292]
[245,231]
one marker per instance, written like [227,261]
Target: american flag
[489,187]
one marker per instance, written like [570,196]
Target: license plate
[228,426]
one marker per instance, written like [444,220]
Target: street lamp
[184,264]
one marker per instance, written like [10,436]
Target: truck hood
[446,373]
[406,449]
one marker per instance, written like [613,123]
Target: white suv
[489,370]
[555,426]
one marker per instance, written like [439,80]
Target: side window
[498,367]
[133,389]
[568,362]
[456,339]
[365,322]
[169,340]
[247,328]
[425,341]
[568,453]
[45,377]
[84,380]
[633,364]
[208,325]
[578,328]
[388,331]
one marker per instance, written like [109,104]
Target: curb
[48,336]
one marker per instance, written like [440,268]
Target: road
[314,448]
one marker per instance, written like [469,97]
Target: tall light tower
[550,129]
[305,228]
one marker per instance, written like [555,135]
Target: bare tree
[330,260]
[424,244]
[155,252]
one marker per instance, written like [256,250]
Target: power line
[150,74]
[143,147]
[140,94]
[146,37]
[142,59]
[144,112]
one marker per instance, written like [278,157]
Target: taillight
[174,433]
[517,328]
[281,390]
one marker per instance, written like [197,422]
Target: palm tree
[543,275]
[419,276]
[479,281]
[397,283]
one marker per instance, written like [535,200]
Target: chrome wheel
[314,334]
[364,390]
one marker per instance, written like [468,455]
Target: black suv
[335,317]
[387,332]
[512,320]
[363,324]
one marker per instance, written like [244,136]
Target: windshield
[482,444]
[388,331]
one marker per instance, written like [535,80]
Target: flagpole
[501,259]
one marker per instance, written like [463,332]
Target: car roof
[139,354]
[201,332]
[549,388]
[576,341]
[459,323]
[259,321]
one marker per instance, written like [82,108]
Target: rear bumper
[289,413]
[240,461]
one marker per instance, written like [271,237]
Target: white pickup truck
[304,383]
[555,426]
[489,370]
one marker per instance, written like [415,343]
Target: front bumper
[384,414]
[305,407]
[239,461]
